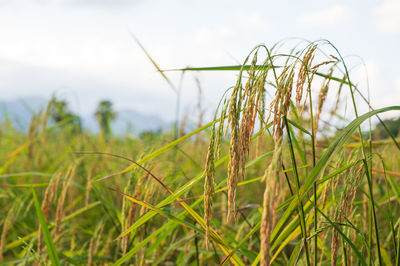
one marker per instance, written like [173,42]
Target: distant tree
[104,115]
[392,124]
[59,112]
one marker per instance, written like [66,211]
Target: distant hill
[20,111]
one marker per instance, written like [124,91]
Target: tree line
[104,114]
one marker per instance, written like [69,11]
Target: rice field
[290,171]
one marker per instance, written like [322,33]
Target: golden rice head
[304,68]
[209,184]
[271,179]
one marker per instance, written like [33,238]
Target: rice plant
[292,175]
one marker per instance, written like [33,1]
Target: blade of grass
[351,244]
[153,62]
[300,206]
[45,230]
[252,232]
[369,179]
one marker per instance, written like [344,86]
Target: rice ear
[271,179]
[209,184]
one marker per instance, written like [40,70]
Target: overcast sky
[82,51]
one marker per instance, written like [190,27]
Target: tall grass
[276,184]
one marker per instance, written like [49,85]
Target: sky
[82,50]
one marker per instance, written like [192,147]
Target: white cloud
[397,84]
[254,21]
[329,17]
[75,3]
[212,36]
[384,90]
[387,16]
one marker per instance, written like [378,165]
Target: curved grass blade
[161,150]
[45,230]
[255,229]
[157,210]
[246,68]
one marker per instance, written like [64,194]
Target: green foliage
[43,225]
[393,126]
[59,112]
[104,116]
